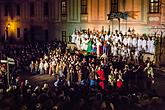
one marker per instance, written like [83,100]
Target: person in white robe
[106,37]
[125,52]
[53,67]
[136,56]
[129,52]
[148,45]
[135,42]
[86,36]
[98,44]
[46,67]
[32,67]
[73,36]
[115,49]
[125,42]
[102,37]
[78,43]
[116,39]
[129,41]
[86,44]
[41,67]
[120,38]
[152,49]
[144,45]
[122,50]
[140,44]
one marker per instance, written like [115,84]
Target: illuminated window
[64,10]
[63,7]
[114,6]
[46,9]
[31,9]
[84,6]
[153,6]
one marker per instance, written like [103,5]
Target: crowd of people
[100,42]
[81,81]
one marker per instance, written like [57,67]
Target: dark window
[63,8]
[18,32]
[46,9]
[153,6]
[84,6]
[18,9]
[114,6]
[31,9]
[6,10]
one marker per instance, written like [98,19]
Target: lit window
[64,8]
[84,6]
[153,6]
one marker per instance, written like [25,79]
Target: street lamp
[7,31]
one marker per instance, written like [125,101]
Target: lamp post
[7,31]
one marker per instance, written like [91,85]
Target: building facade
[52,19]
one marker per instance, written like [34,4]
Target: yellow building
[52,19]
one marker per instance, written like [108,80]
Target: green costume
[89,49]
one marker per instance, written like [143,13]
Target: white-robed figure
[73,36]
[128,52]
[140,43]
[98,44]
[144,45]
[120,38]
[84,44]
[46,67]
[115,39]
[148,45]
[115,49]
[122,50]
[106,37]
[152,49]
[130,41]
[125,42]
[135,42]
[136,56]
[41,67]
[78,41]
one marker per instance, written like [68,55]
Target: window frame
[63,7]
[154,8]
[84,6]
[114,6]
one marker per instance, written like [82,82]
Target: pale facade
[50,19]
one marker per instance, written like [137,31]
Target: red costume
[119,83]
[101,77]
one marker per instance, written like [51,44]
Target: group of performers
[117,44]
